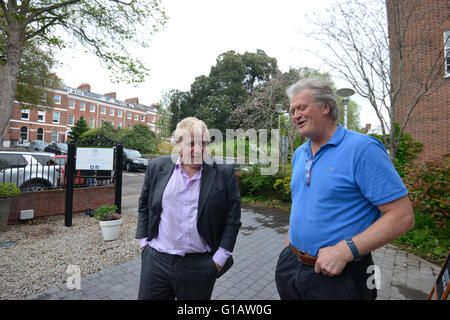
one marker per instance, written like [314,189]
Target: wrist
[347,253]
[353,249]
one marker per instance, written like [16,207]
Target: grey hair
[321,91]
[189,126]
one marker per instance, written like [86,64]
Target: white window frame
[69,117]
[119,113]
[129,115]
[72,104]
[119,124]
[43,134]
[53,117]
[136,117]
[447,53]
[142,118]
[82,106]
[92,107]
[103,110]
[111,112]
[92,122]
[57,135]
[25,111]
[27,133]
[57,99]
[41,113]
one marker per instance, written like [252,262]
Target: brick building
[426,46]
[53,123]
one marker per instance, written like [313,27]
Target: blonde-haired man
[189,218]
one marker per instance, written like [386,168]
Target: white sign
[94,159]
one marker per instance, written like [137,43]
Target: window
[92,122]
[128,115]
[447,52]
[102,122]
[142,118]
[111,112]
[92,108]
[82,106]
[40,134]
[24,133]
[55,135]
[103,110]
[55,117]
[72,104]
[70,119]
[41,116]
[57,99]
[25,114]
[112,123]
[136,117]
[119,124]
[153,118]
[119,113]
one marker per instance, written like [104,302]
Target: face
[192,150]
[306,115]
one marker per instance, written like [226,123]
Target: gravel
[43,250]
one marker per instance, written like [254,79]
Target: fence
[34,171]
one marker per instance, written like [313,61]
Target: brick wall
[52,202]
[429,123]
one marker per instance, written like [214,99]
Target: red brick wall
[429,122]
[52,202]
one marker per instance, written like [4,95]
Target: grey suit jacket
[219,204]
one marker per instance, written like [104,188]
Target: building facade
[423,61]
[53,123]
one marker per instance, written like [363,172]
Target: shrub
[283,184]
[428,186]
[257,185]
[8,190]
[106,213]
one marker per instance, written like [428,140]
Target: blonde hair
[190,126]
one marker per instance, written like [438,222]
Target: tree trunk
[9,73]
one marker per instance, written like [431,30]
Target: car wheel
[35,186]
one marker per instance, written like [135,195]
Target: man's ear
[326,109]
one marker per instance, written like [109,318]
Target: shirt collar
[336,139]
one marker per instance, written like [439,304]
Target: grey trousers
[168,277]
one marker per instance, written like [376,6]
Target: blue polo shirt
[350,176]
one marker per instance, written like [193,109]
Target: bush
[106,213]
[8,190]
[428,186]
[283,184]
[257,185]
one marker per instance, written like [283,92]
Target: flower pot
[111,229]
[5,205]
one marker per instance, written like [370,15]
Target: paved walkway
[260,240]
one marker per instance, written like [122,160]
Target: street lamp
[345,93]
[280,110]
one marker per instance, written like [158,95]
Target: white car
[30,171]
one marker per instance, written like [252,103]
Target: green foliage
[283,184]
[78,130]
[8,190]
[96,137]
[106,213]
[428,185]
[140,138]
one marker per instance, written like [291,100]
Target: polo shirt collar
[336,139]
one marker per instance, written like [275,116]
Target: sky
[197,32]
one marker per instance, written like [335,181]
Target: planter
[111,229]
[5,205]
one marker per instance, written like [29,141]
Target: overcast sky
[197,32]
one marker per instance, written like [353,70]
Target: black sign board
[442,286]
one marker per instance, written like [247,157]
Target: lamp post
[280,110]
[345,93]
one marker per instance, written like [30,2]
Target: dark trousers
[298,281]
[168,277]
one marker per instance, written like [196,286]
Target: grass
[425,239]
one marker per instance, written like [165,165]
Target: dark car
[56,148]
[37,145]
[132,160]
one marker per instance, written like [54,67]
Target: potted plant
[7,192]
[110,221]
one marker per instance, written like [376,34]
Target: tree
[140,138]
[364,49]
[78,130]
[106,28]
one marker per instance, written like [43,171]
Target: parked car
[132,160]
[37,145]
[29,170]
[56,148]
[61,160]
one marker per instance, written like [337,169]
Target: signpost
[95,159]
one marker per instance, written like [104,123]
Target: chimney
[368,127]
[111,95]
[133,101]
[85,87]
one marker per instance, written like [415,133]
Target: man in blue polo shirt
[347,200]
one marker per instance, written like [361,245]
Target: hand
[218,267]
[332,260]
[142,248]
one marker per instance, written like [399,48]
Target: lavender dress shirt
[178,232]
